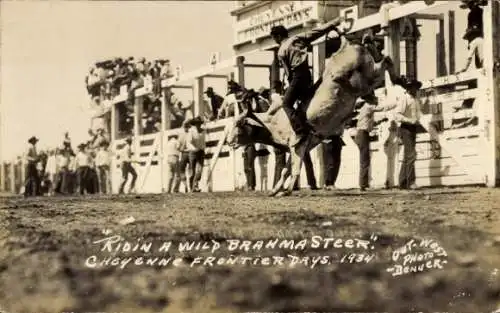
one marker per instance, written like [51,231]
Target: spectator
[180,111]
[103,164]
[475,39]
[215,101]
[82,168]
[231,101]
[137,81]
[407,114]
[51,170]
[62,178]
[475,15]
[127,168]
[99,139]
[32,179]
[184,157]
[155,72]
[249,155]
[173,155]
[166,71]
[332,152]
[195,144]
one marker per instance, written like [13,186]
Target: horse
[350,73]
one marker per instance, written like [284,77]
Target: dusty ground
[45,242]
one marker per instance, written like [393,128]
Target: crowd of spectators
[106,78]
[62,171]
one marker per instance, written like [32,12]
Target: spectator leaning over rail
[172,155]
[407,114]
[103,164]
[127,168]
[475,40]
[215,101]
[32,180]
[196,145]
[293,57]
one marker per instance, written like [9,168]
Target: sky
[48,47]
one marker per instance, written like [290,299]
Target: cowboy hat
[209,90]
[262,90]
[465,3]
[33,139]
[409,83]
[81,146]
[128,139]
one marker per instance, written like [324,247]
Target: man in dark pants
[293,57]
[215,102]
[332,151]
[407,113]
[127,167]
[280,163]
[32,180]
[249,155]
[364,127]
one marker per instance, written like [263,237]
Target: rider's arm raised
[316,33]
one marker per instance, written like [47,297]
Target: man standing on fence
[32,181]
[127,168]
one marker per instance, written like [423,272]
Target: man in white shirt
[195,145]
[51,169]
[230,106]
[172,154]
[82,168]
[127,168]
[184,157]
[407,114]
[103,164]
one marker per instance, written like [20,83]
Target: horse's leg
[297,156]
[281,181]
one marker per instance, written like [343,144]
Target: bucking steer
[350,73]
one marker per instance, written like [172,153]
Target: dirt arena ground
[54,252]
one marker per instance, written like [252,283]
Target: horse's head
[241,131]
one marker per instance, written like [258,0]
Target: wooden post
[451,41]
[199,88]
[13,177]
[236,154]
[275,69]
[489,101]
[2,176]
[317,153]
[441,54]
